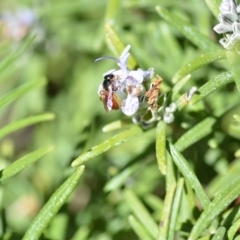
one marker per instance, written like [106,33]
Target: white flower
[229,18]
[130,105]
[134,88]
[231,39]
[224,26]
[125,82]
[171,108]
[123,89]
[168,116]
[123,59]
[228,6]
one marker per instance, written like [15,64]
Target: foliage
[171,181]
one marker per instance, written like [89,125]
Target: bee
[107,93]
[153,93]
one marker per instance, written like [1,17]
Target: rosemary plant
[145,102]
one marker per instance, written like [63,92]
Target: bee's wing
[109,102]
[104,100]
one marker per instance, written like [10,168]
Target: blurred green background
[70,36]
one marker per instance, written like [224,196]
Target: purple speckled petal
[130,105]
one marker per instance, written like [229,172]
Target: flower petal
[135,77]
[236,28]
[168,118]
[147,74]
[221,28]
[124,58]
[130,105]
[228,6]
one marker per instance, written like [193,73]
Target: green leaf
[236,118]
[233,230]
[23,163]
[209,237]
[108,144]
[231,216]
[168,201]
[21,91]
[220,233]
[229,124]
[161,146]
[138,228]
[82,233]
[141,213]
[199,62]
[16,53]
[233,58]
[53,205]
[216,184]
[112,11]
[218,205]
[166,213]
[196,133]
[178,86]
[11,127]
[116,125]
[171,172]
[154,202]
[205,90]
[175,208]
[214,6]
[121,178]
[190,198]
[58,227]
[189,176]
[116,45]
[188,30]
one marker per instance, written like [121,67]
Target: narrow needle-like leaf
[209,237]
[82,233]
[20,91]
[194,134]
[161,146]
[233,229]
[233,60]
[214,6]
[141,213]
[53,205]
[197,63]
[219,234]
[175,208]
[189,176]
[121,178]
[116,45]
[139,229]
[23,162]
[115,125]
[112,11]
[11,127]
[14,55]
[218,204]
[166,213]
[106,145]
[188,30]
[208,88]
[231,216]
